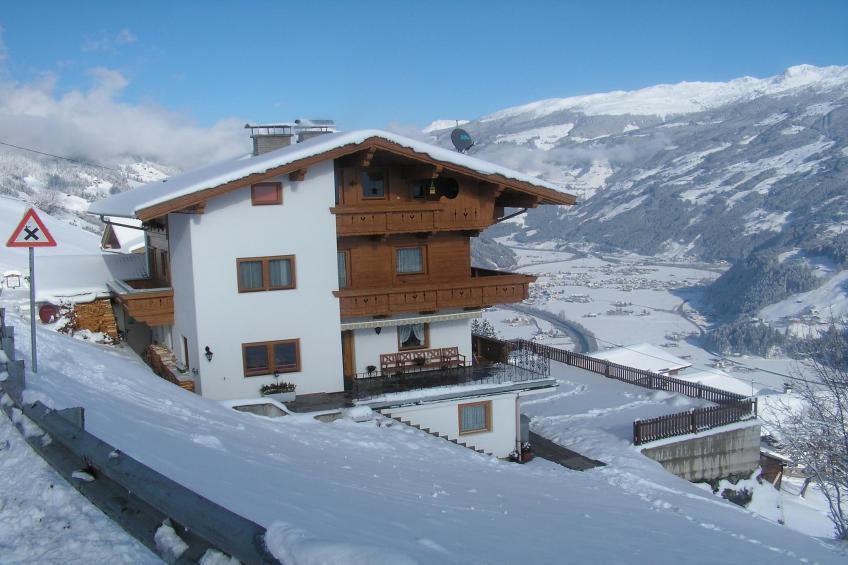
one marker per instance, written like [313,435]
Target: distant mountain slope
[703,170]
[710,170]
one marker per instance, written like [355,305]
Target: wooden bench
[439,358]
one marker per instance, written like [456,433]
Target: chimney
[307,129]
[270,137]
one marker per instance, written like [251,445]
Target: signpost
[31,233]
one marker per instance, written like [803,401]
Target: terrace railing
[731,407]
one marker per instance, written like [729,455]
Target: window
[409,260]
[264,193]
[267,358]
[373,184]
[266,273]
[413,336]
[342,260]
[475,417]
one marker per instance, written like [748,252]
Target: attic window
[265,193]
[373,184]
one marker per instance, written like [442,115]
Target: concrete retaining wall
[711,455]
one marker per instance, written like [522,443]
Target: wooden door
[348,359]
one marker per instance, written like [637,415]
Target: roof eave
[544,194]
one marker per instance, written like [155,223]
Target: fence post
[693,424]
[606,369]
[637,440]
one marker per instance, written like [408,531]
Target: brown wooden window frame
[362,171]
[276,201]
[269,351]
[266,273]
[425,345]
[488,428]
[423,270]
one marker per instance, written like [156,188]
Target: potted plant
[279,391]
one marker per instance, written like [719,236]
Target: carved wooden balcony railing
[410,218]
[153,306]
[475,292]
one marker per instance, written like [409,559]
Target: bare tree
[814,433]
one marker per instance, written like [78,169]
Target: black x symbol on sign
[31,234]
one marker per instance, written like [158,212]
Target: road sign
[31,232]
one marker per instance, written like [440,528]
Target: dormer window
[266,193]
[373,184]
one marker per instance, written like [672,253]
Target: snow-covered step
[434,433]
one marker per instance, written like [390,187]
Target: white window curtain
[251,274]
[342,267]
[409,260]
[279,271]
[411,335]
[473,418]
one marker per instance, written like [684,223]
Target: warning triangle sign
[31,232]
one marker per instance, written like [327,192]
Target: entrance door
[348,359]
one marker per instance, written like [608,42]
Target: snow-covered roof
[718,379]
[128,204]
[643,356]
[82,278]
[129,239]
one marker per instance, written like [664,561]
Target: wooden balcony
[411,218]
[484,288]
[144,302]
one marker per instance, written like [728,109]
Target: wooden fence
[731,407]
[696,420]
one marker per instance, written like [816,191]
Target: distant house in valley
[644,356]
[339,262]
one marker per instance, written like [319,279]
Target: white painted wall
[369,345]
[210,311]
[443,417]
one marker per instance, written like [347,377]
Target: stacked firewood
[95,316]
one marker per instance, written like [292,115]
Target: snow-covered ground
[44,520]
[378,492]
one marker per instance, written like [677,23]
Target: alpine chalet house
[334,261]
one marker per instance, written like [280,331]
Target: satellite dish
[461,140]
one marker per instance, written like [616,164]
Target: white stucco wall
[443,417]
[218,316]
[369,345]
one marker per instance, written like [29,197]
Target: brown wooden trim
[473,282]
[298,175]
[487,404]
[269,351]
[425,345]
[266,273]
[549,196]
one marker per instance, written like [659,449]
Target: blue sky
[369,64]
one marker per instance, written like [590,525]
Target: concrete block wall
[711,455]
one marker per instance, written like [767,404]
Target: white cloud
[108,42]
[4,53]
[95,124]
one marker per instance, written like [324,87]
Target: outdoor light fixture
[208,354]
[432,188]
[377,330]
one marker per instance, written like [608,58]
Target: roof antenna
[461,140]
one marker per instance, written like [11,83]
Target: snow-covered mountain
[708,169]
[704,170]
[65,188]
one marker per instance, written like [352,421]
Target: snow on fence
[133,495]
[731,407]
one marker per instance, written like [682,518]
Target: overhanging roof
[194,187]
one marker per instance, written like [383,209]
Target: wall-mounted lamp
[208,354]
[377,330]
[432,189]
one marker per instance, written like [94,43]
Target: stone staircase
[432,432]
